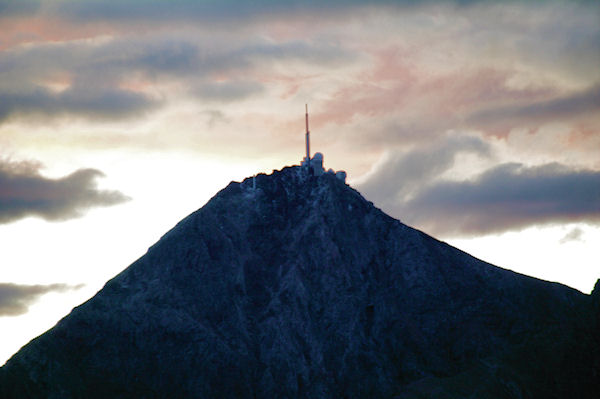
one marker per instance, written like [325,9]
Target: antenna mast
[307,138]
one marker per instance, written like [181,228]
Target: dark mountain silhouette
[300,287]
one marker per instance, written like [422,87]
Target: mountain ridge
[292,285]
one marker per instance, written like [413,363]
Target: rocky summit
[292,285]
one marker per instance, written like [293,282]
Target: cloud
[228,91]
[418,188]
[127,76]
[25,192]
[15,299]
[377,76]
[21,7]
[510,196]
[96,104]
[218,11]
[574,235]
[214,117]
[400,174]
[156,10]
[181,54]
[584,103]
[209,11]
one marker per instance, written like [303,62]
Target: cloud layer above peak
[416,86]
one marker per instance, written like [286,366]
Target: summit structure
[314,165]
[307,158]
[295,286]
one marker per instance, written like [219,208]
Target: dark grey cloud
[101,66]
[510,196]
[192,54]
[96,73]
[584,102]
[227,91]
[200,57]
[206,11]
[402,173]
[87,10]
[91,103]
[25,192]
[217,11]
[15,299]
[18,7]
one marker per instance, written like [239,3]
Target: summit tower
[314,166]
[307,138]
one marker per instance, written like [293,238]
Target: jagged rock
[301,288]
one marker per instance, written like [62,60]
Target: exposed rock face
[301,288]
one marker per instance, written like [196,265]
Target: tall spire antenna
[307,138]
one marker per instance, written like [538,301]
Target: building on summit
[314,165]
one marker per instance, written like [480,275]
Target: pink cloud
[384,88]
[396,86]
[37,29]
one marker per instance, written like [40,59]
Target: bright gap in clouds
[41,316]
[550,253]
[91,250]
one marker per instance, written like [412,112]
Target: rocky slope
[301,288]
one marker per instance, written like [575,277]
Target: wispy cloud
[228,91]
[15,299]
[574,235]
[25,192]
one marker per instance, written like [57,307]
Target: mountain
[293,285]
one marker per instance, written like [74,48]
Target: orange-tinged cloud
[43,29]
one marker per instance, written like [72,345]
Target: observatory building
[314,165]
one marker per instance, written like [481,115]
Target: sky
[475,121]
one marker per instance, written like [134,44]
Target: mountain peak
[295,181]
[293,285]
